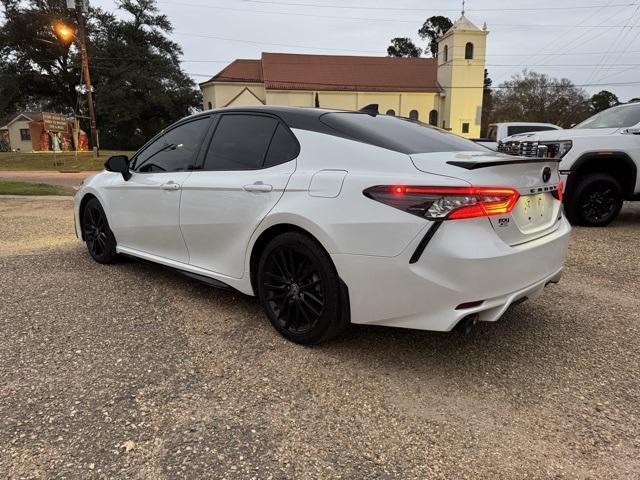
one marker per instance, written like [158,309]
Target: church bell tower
[461,63]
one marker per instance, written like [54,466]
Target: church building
[445,91]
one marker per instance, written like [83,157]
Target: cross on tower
[463,8]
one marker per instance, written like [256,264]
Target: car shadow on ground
[525,326]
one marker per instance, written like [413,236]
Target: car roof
[287,114]
[302,118]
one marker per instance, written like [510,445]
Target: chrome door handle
[258,187]
[171,185]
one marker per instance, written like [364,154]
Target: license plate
[533,212]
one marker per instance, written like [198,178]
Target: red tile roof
[240,70]
[285,71]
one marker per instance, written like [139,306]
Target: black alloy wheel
[599,202]
[596,200]
[300,289]
[97,234]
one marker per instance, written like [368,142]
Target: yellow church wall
[338,100]
[220,94]
[422,102]
[401,103]
[385,101]
[290,98]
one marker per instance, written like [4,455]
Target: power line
[368,19]
[288,45]
[540,57]
[512,9]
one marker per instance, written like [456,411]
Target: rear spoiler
[472,165]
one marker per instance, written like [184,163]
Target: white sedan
[334,217]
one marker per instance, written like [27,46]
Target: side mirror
[633,130]
[119,164]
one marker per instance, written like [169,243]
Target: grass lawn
[85,161]
[8,187]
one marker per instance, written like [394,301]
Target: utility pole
[82,43]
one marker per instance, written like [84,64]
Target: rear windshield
[396,133]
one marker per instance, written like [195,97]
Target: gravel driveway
[132,371]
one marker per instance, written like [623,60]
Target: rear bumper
[464,262]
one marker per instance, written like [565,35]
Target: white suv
[333,217]
[599,164]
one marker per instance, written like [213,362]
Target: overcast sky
[587,41]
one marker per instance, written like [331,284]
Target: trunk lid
[537,211]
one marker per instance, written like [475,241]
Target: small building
[16,131]
[445,91]
[40,132]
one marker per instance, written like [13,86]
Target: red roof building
[419,88]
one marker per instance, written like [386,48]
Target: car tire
[595,201]
[96,233]
[300,289]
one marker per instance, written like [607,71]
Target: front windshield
[616,117]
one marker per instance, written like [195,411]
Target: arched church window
[445,53]
[391,111]
[413,115]
[433,118]
[468,51]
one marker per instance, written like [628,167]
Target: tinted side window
[174,151]
[240,142]
[523,129]
[283,147]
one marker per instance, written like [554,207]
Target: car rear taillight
[446,203]
[559,192]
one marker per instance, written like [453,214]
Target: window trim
[209,139]
[195,162]
[469,52]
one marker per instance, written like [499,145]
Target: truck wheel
[595,201]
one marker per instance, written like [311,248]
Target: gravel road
[133,371]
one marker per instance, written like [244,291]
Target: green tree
[487,104]
[403,47]
[432,28]
[37,70]
[138,83]
[603,100]
[141,87]
[536,97]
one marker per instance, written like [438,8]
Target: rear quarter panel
[351,223]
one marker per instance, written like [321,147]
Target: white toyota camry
[333,217]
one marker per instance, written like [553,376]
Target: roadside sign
[54,122]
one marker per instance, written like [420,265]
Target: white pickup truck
[498,131]
[599,162]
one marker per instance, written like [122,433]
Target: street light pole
[82,42]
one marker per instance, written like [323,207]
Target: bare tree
[536,97]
